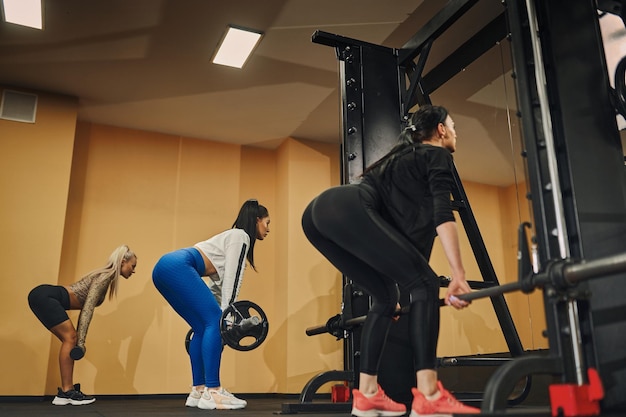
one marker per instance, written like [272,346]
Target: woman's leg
[177,278]
[424,319]
[339,220]
[49,303]
[382,290]
[66,333]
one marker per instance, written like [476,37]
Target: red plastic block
[340,393]
[571,400]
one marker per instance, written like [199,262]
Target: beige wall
[476,330]
[312,290]
[527,309]
[73,192]
[35,166]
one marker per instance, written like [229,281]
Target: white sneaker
[224,400]
[194,398]
[206,401]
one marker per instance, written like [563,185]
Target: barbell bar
[563,273]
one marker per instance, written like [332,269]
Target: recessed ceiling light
[236,46]
[23,12]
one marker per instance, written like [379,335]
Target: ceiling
[145,64]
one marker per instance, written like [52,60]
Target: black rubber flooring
[139,406]
[173,405]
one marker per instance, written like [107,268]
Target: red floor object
[571,400]
[340,393]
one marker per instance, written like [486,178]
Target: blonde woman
[51,302]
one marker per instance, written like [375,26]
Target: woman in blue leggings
[178,277]
[380,233]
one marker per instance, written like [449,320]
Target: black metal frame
[572,144]
[369,80]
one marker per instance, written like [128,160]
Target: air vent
[18,106]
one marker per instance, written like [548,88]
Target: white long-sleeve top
[227,252]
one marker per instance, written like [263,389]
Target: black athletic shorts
[49,303]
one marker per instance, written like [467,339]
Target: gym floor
[173,405]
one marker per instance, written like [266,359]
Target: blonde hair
[111,271]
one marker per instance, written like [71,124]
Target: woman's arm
[97,290]
[441,183]
[448,234]
[235,251]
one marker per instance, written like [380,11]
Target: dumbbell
[77,352]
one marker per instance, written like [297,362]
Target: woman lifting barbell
[178,277]
[50,302]
[380,234]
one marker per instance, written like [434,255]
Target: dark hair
[421,126]
[246,220]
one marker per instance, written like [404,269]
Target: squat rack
[575,167]
[375,105]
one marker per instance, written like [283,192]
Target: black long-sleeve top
[414,188]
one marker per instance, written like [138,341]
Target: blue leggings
[178,277]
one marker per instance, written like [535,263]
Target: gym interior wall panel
[474,330]
[35,165]
[278,345]
[498,211]
[207,188]
[257,180]
[313,286]
[527,310]
[124,188]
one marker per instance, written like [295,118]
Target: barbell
[77,352]
[243,326]
[560,274]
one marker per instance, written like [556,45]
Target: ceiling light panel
[236,46]
[23,12]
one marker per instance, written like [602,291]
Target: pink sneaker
[378,405]
[444,406]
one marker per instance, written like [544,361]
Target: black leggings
[49,303]
[343,223]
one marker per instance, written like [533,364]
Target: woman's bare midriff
[209,269]
[75,304]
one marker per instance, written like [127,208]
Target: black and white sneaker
[73,397]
